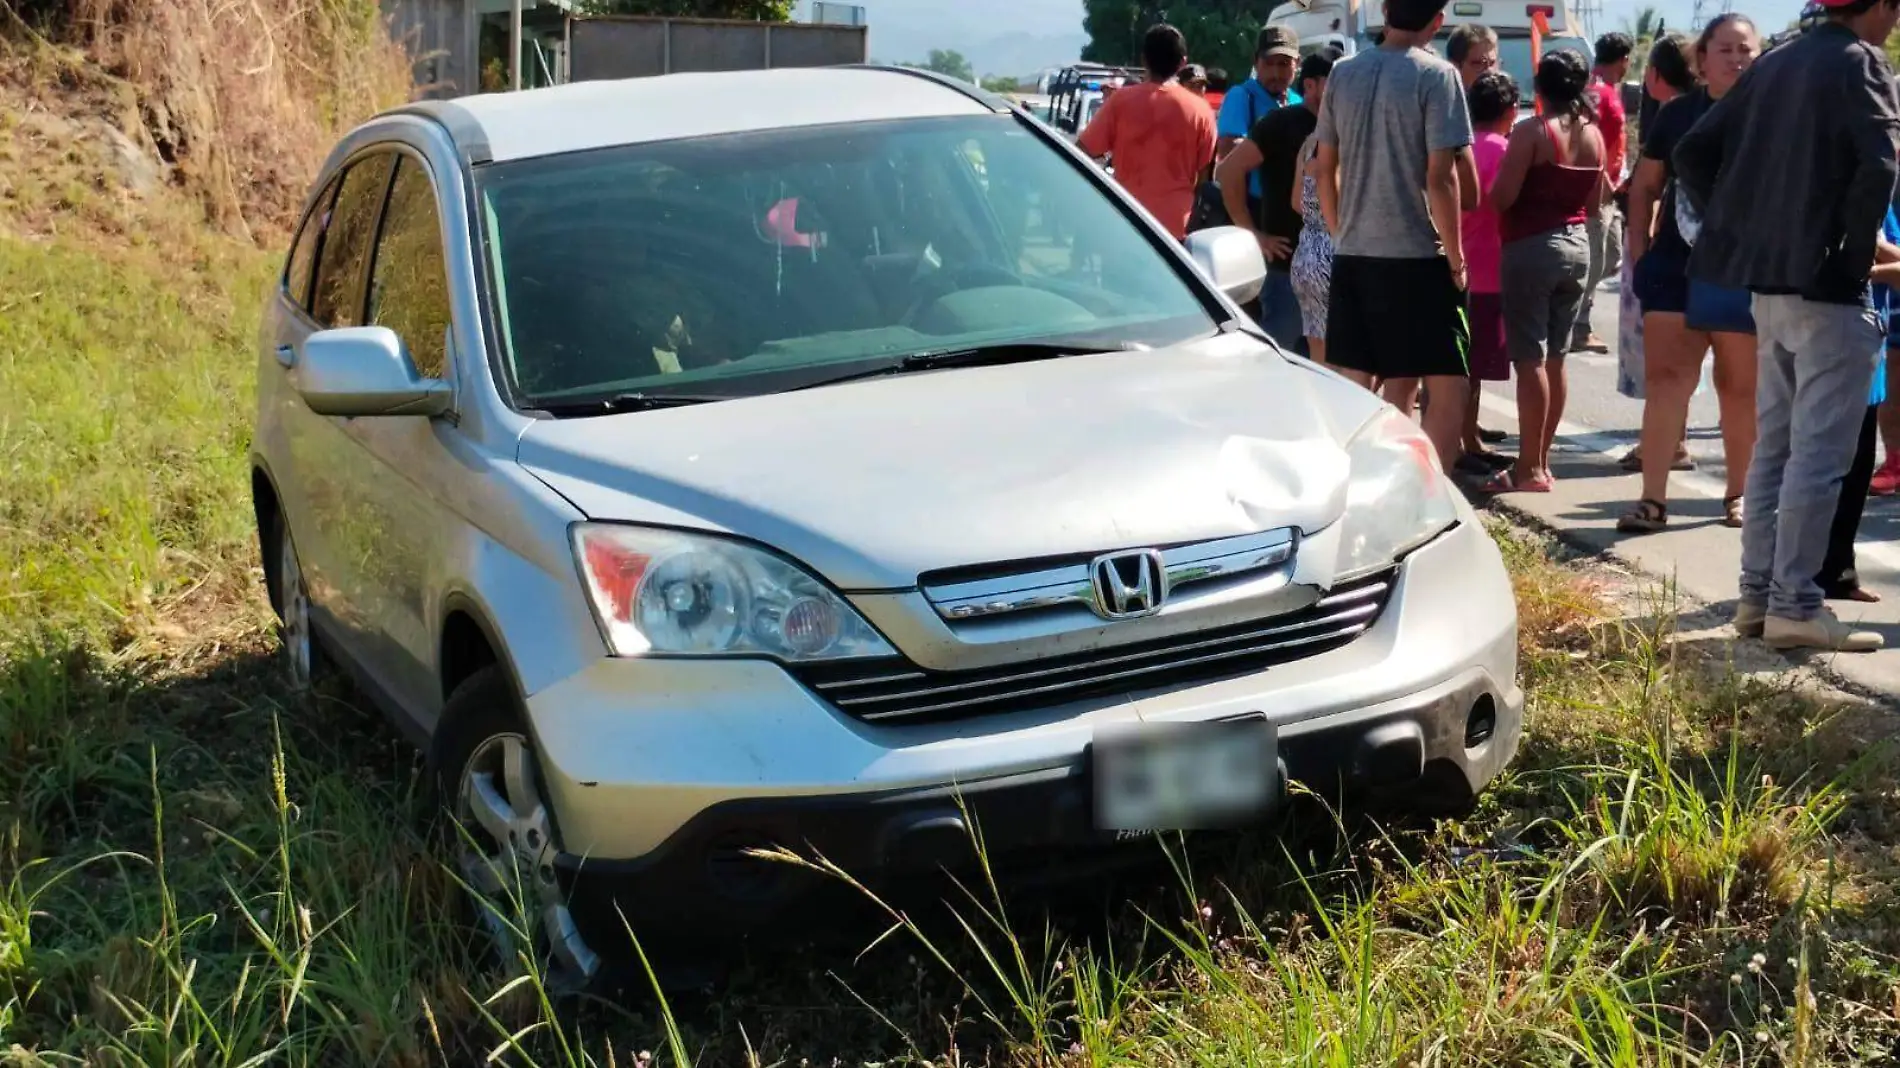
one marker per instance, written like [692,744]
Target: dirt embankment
[228,107]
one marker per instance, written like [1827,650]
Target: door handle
[286,356]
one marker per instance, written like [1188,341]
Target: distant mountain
[1016,37]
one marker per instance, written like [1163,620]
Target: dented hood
[874,483]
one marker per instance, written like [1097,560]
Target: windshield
[753,263]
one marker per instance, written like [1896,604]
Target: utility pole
[1588,11]
[514,45]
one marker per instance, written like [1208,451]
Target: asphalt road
[1697,551]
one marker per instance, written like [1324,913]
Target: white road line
[1613,446]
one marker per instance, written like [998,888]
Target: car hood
[877,482]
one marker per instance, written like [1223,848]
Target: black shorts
[1661,278]
[1397,318]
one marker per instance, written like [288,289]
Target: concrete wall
[442,37]
[638,47]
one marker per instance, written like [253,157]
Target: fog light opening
[1482,723]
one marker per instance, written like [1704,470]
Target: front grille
[898,690]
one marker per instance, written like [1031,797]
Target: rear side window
[409,286]
[344,257]
[303,252]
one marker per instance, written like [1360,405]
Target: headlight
[1398,499]
[661,591]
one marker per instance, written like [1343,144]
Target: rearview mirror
[1230,258]
[364,370]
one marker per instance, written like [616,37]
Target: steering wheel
[939,284]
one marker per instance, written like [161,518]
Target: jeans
[1816,363]
[1280,312]
[1606,258]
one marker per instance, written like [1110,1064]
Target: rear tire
[300,653]
[493,814]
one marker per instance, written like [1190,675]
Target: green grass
[195,869]
[123,447]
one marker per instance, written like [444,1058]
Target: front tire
[487,780]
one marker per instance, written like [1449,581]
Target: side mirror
[1231,259]
[364,370]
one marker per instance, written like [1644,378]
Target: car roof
[598,114]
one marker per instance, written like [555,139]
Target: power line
[1588,12]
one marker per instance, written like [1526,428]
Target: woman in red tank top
[1551,179]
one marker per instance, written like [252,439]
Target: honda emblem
[1129,584]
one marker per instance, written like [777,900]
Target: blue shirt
[1884,301]
[1243,106]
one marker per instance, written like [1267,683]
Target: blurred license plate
[1184,776]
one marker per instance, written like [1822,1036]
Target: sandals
[1632,461]
[1850,593]
[1483,462]
[1505,482]
[1648,517]
[1732,511]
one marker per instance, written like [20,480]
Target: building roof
[598,114]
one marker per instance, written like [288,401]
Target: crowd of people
[1424,236]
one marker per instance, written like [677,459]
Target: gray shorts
[1543,286]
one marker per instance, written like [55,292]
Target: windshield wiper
[976,356]
[612,403]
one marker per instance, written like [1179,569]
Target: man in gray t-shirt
[1393,165]
[1385,112]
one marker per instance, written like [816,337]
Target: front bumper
[664,763]
[703,882]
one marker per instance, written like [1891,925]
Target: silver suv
[833,459]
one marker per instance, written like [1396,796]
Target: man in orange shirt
[1159,135]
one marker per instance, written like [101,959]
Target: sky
[1021,36]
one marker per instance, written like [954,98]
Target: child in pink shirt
[1493,101]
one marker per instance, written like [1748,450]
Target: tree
[948,62]
[1644,29]
[1000,83]
[1220,33]
[751,10]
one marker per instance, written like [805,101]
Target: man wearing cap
[1272,153]
[1793,171]
[1276,55]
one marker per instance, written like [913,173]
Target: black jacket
[1793,170]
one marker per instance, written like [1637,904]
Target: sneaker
[1886,481]
[1823,631]
[1749,619]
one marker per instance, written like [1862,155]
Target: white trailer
[1353,25]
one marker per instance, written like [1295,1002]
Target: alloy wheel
[508,858]
[299,650]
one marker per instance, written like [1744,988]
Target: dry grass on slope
[235,103]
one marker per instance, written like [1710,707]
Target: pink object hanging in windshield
[782,223]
